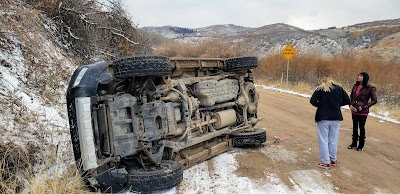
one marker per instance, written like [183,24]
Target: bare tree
[94,29]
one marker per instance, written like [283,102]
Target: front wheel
[142,65]
[167,175]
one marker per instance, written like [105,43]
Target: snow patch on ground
[21,104]
[278,153]
[219,179]
[282,90]
[385,118]
[311,181]
[218,176]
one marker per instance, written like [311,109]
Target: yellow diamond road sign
[288,52]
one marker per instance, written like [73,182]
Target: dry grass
[391,111]
[18,174]
[15,161]
[299,87]
[380,31]
[207,48]
[387,49]
[343,68]
[67,183]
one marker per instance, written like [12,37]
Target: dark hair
[365,78]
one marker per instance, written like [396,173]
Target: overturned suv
[137,122]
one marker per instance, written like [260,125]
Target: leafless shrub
[208,48]
[344,68]
[95,30]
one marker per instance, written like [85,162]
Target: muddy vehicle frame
[137,122]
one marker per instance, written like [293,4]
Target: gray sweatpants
[328,136]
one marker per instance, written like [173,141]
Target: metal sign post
[287,75]
[288,53]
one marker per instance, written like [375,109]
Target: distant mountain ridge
[215,30]
[272,38]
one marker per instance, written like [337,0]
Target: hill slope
[368,37]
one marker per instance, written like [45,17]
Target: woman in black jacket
[328,98]
[363,96]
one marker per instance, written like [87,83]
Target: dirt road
[293,147]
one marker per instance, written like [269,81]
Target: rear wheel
[146,65]
[246,139]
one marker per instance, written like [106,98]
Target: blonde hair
[326,84]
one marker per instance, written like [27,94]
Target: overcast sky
[306,14]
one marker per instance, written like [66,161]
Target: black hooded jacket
[328,103]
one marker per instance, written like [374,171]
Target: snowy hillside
[272,38]
[33,78]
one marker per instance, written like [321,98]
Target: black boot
[361,144]
[353,145]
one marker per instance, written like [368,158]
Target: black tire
[109,183]
[240,63]
[145,65]
[146,181]
[249,139]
